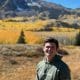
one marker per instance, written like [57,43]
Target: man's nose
[49,48]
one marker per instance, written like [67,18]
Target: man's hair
[52,40]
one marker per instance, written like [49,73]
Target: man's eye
[52,47]
[49,46]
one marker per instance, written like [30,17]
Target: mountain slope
[26,7]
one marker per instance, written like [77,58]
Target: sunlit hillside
[9,36]
[36,25]
[35,30]
[19,62]
[24,25]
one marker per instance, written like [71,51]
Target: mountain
[40,8]
[30,8]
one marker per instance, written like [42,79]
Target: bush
[78,39]
[21,38]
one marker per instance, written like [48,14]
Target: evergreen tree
[78,39]
[21,38]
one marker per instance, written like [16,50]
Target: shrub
[21,38]
[78,39]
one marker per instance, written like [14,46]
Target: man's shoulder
[62,63]
[63,66]
[64,70]
[41,63]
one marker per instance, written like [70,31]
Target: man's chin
[48,54]
[49,57]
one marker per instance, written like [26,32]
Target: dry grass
[73,60]
[18,68]
[34,37]
[12,31]
[24,68]
[9,36]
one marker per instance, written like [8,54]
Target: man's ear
[43,49]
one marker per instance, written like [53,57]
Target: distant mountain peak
[33,7]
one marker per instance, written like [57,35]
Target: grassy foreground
[23,67]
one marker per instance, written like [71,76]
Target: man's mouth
[48,53]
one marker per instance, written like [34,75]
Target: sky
[67,3]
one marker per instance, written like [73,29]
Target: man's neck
[49,59]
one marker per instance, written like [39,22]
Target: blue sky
[67,3]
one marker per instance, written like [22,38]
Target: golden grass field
[34,31]
[24,68]
[11,36]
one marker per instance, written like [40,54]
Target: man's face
[50,50]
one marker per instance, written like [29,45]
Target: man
[52,67]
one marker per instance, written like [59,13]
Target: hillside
[37,16]
[32,21]
[40,9]
[35,6]
[18,62]
[31,8]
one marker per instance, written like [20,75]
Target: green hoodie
[54,70]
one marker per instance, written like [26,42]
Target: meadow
[34,31]
[14,66]
[21,64]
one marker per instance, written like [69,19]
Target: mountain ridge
[39,6]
